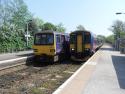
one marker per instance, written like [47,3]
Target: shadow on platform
[119,65]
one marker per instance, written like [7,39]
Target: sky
[96,16]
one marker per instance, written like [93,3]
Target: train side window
[67,37]
[62,38]
[58,39]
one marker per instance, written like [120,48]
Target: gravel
[36,79]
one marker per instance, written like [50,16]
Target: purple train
[48,45]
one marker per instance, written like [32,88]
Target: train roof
[51,31]
[80,31]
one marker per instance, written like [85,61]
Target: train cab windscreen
[72,38]
[87,38]
[44,39]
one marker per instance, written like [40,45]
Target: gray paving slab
[14,55]
[103,73]
[109,74]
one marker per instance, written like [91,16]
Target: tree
[35,25]
[122,34]
[49,26]
[101,37]
[39,22]
[20,18]
[80,27]
[60,28]
[32,27]
[14,20]
[110,39]
[117,28]
[13,17]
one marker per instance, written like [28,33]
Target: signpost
[27,35]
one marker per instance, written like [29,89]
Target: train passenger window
[62,38]
[67,37]
[58,39]
[37,39]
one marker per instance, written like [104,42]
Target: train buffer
[103,73]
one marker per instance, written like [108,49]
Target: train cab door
[79,43]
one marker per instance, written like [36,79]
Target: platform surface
[8,56]
[104,73]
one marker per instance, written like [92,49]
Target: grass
[36,91]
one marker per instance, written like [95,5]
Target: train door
[58,47]
[79,43]
[73,42]
[58,43]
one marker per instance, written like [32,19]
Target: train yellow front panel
[79,43]
[48,50]
[72,46]
[87,46]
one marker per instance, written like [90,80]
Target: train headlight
[87,49]
[72,49]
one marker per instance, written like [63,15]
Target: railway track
[38,78]
[12,66]
[7,65]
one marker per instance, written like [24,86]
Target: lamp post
[118,33]
[27,35]
[115,38]
[118,13]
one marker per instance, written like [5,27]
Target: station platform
[103,73]
[9,59]
[8,56]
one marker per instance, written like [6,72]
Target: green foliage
[60,28]
[118,29]
[32,27]
[36,91]
[12,25]
[15,21]
[101,37]
[49,26]
[122,34]
[110,39]
[35,25]
[80,27]
[39,22]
